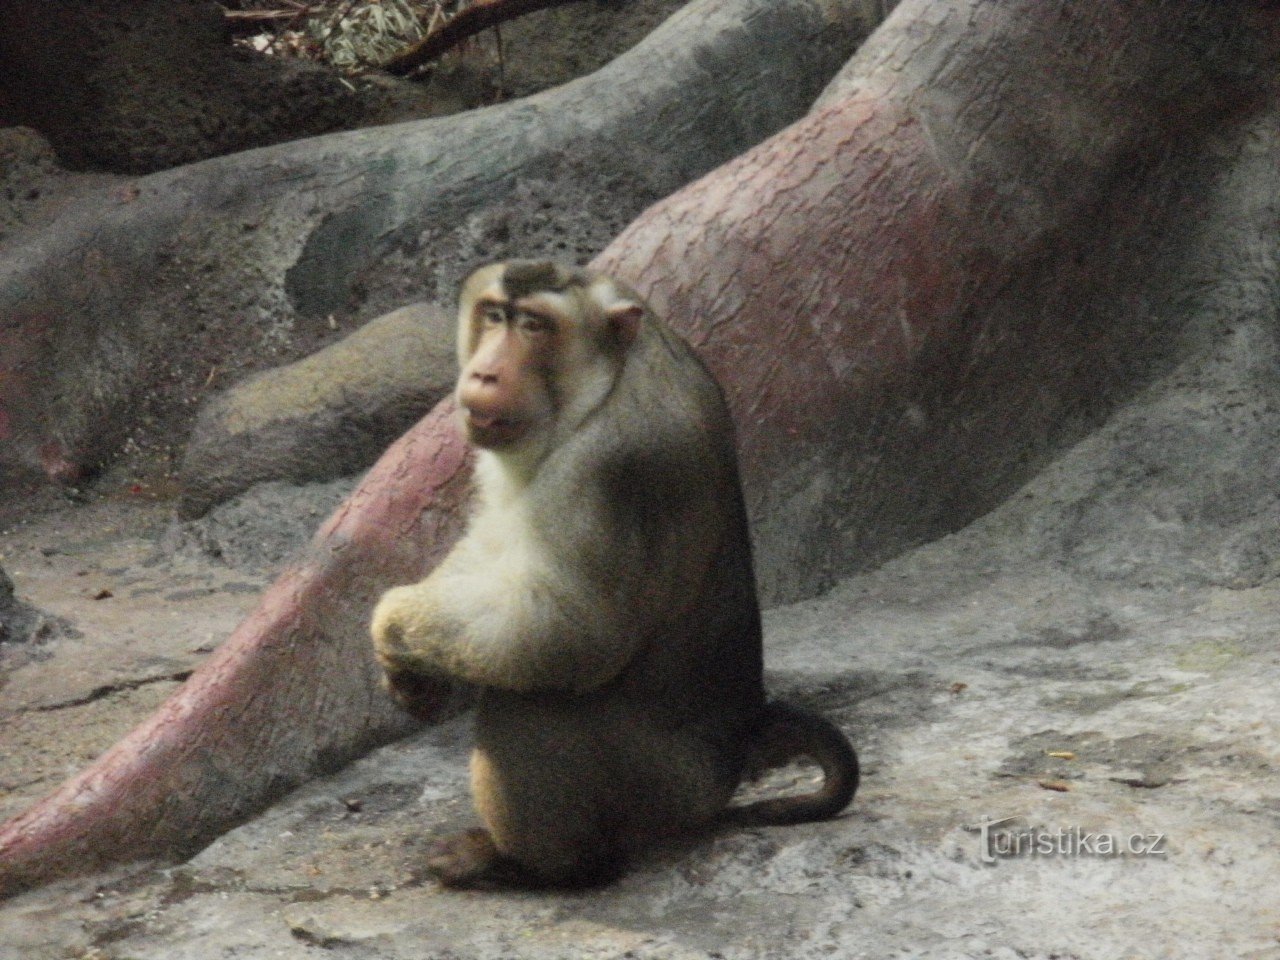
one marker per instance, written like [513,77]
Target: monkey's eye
[533,322]
[493,314]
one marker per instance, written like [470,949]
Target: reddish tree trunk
[920,291]
[912,296]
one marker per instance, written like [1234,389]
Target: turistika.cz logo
[1010,838]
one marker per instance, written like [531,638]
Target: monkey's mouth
[491,431]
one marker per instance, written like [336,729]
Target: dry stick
[437,15]
[296,7]
[259,14]
[502,66]
[480,16]
[296,21]
[337,18]
[298,12]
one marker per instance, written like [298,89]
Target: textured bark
[913,295]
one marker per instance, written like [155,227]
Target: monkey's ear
[623,318]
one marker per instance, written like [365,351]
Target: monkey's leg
[547,826]
[544,778]
[678,783]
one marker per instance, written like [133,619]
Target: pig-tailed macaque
[602,600]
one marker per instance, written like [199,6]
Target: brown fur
[603,600]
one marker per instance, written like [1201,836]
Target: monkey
[602,600]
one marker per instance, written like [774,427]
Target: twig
[299,12]
[476,18]
[437,16]
[336,20]
[259,14]
[295,8]
[502,66]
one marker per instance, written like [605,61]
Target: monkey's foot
[470,860]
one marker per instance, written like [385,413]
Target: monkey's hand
[407,675]
[417,694]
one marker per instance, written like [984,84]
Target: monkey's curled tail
[788,732]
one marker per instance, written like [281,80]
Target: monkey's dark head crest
[524,277]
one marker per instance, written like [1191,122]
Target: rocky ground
[1066,715]
[1092,663]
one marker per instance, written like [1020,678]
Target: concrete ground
[1094,663]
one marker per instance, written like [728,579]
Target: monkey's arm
[560,598]
[482,629]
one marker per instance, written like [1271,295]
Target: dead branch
[478,17]
[256,15]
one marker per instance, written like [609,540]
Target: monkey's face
[504,387]
[539,347]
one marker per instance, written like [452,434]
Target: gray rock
[260,530]
[130,86]
[326,416]
[342,226]
[17,620]
[21,623]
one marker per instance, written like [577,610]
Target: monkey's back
[669,493]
